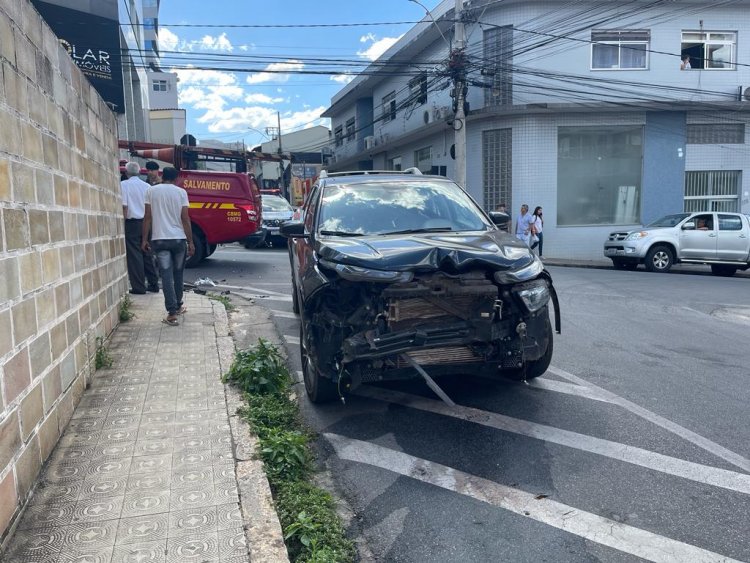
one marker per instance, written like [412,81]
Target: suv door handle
[743,236]
[712,235]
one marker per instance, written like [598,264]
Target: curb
[263,534]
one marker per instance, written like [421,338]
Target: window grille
[497,159]
[712,190]
[716,133]
[498,56]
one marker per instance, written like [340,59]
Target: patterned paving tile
[147,552]
[193,521]
[139,503]
[228,516]
[187,460]
[103,486]
[36,545]
[140,529]
[102,555]
[114,466]
[232,543]
[153,447]
[47,493]
[97,509]
[151,464]
[160,481]
[157,419]
[183,499]
[192,478]
[46,515]
[191,444]
[89,536]
[58,473]
[186,549]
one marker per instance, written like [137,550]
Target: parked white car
[721,240]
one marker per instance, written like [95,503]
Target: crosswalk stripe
[700,441]
[697,472]
[569,389]
[292,339]
[619,536]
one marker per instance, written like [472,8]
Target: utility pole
[457,67]
[281,162]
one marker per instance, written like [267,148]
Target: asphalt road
[634,445]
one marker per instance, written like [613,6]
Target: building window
[716,134]
[498,57]
[160,86]
[150,23]
[599,175]
[394,163]
[619,49]
[423,159]
[389,107]
[710,50]
[350,132]
[338,135]
[418,90]
[712,190]
[497,162]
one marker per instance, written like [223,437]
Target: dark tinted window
[384,207]
[668,220]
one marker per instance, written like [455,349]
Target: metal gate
[712,190]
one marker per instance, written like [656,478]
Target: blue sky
[229,105]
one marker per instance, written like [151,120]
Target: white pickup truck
[721,240]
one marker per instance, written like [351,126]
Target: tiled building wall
[62,267]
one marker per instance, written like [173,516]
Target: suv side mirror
[500,219]
[689,226]
[293,229]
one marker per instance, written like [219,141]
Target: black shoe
[137,292]
[153,289]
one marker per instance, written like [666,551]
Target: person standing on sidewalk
[538,230]
[140,262]
[172,238]
[152,173]
[524,224]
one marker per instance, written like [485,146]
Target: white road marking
[283,314]
[569,389]
[598,529]
[252,290]
[292,339]
[699,473]
[265,297]
[700,441]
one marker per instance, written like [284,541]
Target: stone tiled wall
[62,267]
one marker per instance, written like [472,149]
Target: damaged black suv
[397,274]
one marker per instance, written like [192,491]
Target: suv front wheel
[319,389]
[659,259]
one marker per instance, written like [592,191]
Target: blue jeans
[171,255]
[539,243]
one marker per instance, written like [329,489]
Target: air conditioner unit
[369,142]
[746,94]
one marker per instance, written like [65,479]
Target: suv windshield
[380,208]
[275,203]
[669,220]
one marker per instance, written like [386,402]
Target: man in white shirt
[166,214]
[140,263]
[524,224]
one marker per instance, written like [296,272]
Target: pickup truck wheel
[659,259]
[319,389]
[723,270]
[200,250]
[211,249]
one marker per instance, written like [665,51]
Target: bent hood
[457,252]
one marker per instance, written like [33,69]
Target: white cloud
[262,99]
[378,46]
[220,43]
[191,76]
[277,72]
[343,78]
[238,119]
[168,41]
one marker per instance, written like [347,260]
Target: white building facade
[580,108]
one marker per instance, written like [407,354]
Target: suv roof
[413,171]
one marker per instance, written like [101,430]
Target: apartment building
[586,109]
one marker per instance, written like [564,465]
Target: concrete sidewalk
[145,471]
